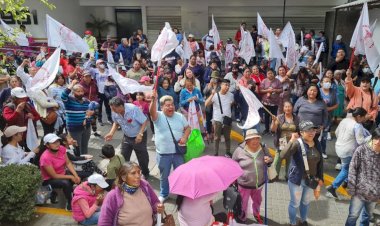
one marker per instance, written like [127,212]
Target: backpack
[232,201]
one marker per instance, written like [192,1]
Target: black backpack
[232,201]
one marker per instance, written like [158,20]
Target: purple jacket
[114,201]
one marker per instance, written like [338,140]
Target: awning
[355,3]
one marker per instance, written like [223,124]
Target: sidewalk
[325,211]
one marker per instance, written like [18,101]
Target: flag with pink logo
[165,43]
[262,29]
[60,36]
[247,48]
[215,32]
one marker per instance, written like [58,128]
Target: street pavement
[325,211]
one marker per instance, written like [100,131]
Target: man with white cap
[338,44]
[193,43]
[18,110]
[12,152]
[88,197]
[208,40]
[100,74]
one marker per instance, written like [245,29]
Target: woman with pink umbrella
[197,182]
[253,159]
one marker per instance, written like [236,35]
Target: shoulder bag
[310,181]
[179,149]
[226,120]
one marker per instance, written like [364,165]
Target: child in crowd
[116,161]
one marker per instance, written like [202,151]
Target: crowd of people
[301,111]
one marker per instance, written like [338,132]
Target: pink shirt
[144,106]
[57,161]
[196,212]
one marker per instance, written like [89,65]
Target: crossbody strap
[220,103]
[171,132]
[304,156]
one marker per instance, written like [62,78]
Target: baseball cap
[144,79]
[51,138]
[88,32]
[97,179]
[18,92]
[99,61]
[251,133]
[191,36]
[306,125]
[339,37]
[12,130]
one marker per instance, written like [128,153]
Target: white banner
[60,36]
[318,53]
[127,85]
[262,29]
[110,58]
[253,117]
[187,52]
[274,48]
[373,26]
[247,48]
[165,43]
[371,52]
[357,41]
[291,52]
[215,33]
[47,73]
[286,33]
[121,61]
[192,117]
[19,37]
[229,54]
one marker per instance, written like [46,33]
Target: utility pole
[283,14]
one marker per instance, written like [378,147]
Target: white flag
[60,36]
[371,52]
[291,52]
[373,26]
[262,29]
[186,48]
[357,41]
[286,32]
[21,38]
[121,62]
[229,54]
[166,42]
[192,117]
[46,74]
[215,32]
[318,53]
[127,85]
[110,58]
[253,117]
[320,76]
[247,48]
[274,48]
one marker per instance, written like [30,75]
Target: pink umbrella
[203,176]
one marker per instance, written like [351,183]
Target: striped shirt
[75,111]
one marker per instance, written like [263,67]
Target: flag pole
[352,57]
[267,110]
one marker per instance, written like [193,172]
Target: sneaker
[163,199]
[153,137]
[101,123]
[238,120]
[331,192]
[258,219]
[324,156]
[96,134]
[68,206]
[53,197]
[110,122]
[344,184]
[338,167]
[328,136]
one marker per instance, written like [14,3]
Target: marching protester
[133,123]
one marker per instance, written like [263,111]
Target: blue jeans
[358,206]
[165,163]
[343,174]
[324,141]
[93,220]
[300,196]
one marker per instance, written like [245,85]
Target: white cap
[51,138]
[18,92]
[339,37]
[191,36]
[97,179]
[12,130]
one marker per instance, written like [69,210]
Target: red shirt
[258,78]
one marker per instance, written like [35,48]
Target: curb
[327,178]
[53,211]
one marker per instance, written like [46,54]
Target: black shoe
[68,206]
[53,197]
[331,192]
[96,134]
[304,223]
[101,123]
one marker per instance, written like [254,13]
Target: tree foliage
[98,25]
[19,11]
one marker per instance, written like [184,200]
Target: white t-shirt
[226,100]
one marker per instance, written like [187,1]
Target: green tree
[19,11]
[99,25]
